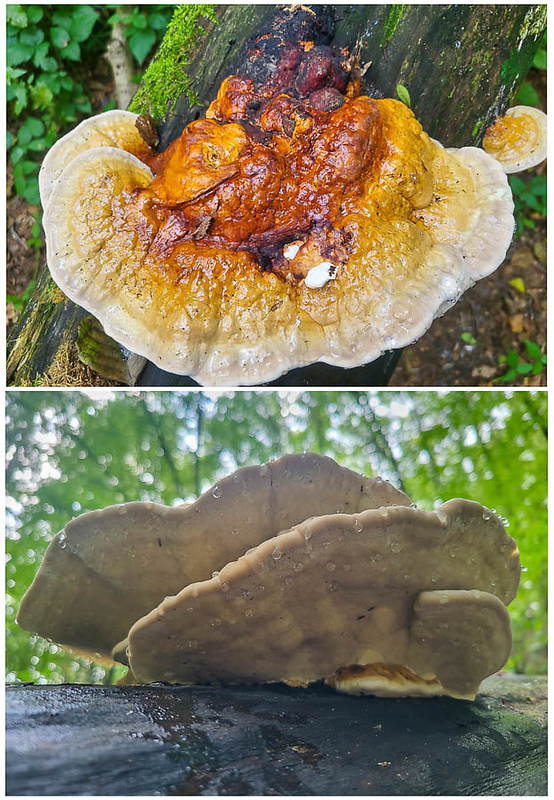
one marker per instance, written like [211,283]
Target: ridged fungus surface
[299,221]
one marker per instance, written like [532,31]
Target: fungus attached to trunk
[296,571]
[298,222]
[518,140]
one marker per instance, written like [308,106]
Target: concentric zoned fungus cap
[110,129]
[518,140]
[388,601]
[108,568]
[298,222]
[300,235]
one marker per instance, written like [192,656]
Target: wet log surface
[168,740]
[461,65]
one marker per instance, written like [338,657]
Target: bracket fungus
[299,221]
[518,140]
[296,571]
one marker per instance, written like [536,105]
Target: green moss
[100,352]
[166,79]
[391,23]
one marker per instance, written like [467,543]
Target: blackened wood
[460,63]
[157,739]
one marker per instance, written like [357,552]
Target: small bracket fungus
[296,571]
[298,222]
[518,140]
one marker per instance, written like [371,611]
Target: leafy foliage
[529,200]
[70,452]
[50,51]
[518,366]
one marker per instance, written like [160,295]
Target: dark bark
[461,64]
[274,740]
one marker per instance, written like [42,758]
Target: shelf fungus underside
[296,571]
[288,226]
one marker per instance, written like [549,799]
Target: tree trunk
[274,740]
[461,65]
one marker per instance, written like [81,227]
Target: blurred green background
[71,452]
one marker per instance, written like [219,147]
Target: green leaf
[72,51]
[544,358]
[32,194]
[524,368]
[540,60]
[59,37]
[509,376]
[35,14]
[19,180]
[512,358]
[517,185]
[42,96]
[42,59]
[83,22]
[10,139]
[20,93]
[16,16]
[139,20]
[518,284]
[158,21]
[32,37]
[13,74]
[468,338]
[29,167]
[538,367]
[30,129]
[141,43]
[18,53]
[38,145]
[403,95]
[62,18]
[527,95]
[17,154]
[533,348]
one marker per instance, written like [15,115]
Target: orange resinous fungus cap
[297,222]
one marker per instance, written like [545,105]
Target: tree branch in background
[199,421]
[120,60]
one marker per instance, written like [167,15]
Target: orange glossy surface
[218,186]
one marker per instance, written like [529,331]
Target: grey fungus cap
[295,571]
[425,591]
[129,557]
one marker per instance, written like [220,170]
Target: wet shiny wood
[274,740]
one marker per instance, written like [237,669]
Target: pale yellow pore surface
[107,568]
[519,139]
[343,590]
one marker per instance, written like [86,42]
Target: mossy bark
[461,65]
